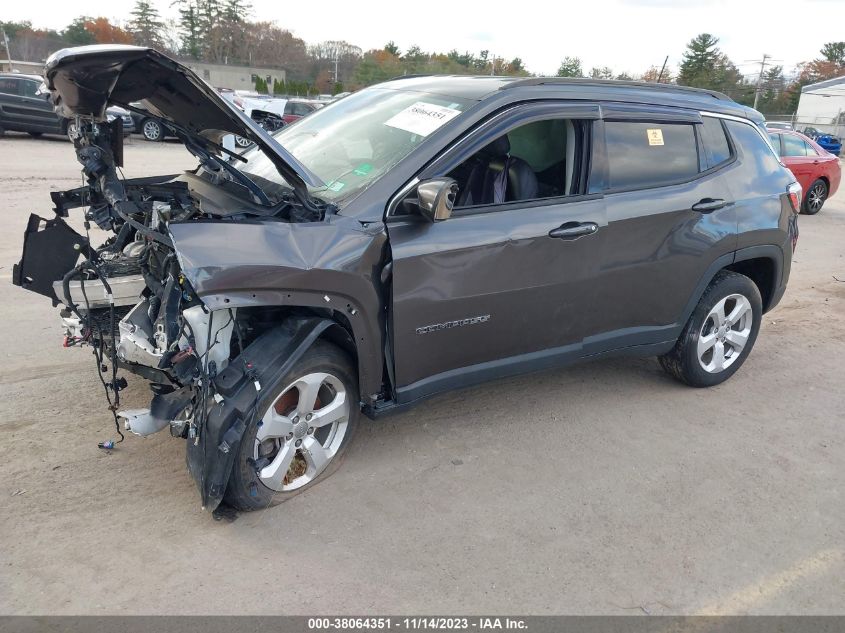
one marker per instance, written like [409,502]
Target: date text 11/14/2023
[429,623]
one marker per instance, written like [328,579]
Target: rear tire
[291,444]
[719,334]
[815,198]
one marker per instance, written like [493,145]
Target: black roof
[480,88]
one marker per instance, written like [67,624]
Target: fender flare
[767,251]
[265,361]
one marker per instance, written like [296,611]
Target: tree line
[704,65]
[220,31]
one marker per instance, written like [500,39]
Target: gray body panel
[332,266]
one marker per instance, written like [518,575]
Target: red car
[295,109]
[817,171]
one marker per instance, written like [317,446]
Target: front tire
[815,198]
[719,334]
[300,434]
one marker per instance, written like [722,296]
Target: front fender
[210,456]
[334,264]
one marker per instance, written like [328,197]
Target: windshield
[352,142]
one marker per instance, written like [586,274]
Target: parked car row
[25,107]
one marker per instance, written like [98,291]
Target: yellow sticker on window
[655,136]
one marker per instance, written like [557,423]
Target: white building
[234,77]
[822,105]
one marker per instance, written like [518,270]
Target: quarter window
[716,147]
[650,154]
[775,139]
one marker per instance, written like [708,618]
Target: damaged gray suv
[419,236]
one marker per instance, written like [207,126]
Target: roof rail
[414,76]
[586,81]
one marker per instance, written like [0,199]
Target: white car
[265,109]
[779,125]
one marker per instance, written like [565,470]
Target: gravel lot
[604,488]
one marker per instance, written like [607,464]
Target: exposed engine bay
[127,298]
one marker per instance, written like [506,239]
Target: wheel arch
[764,271]
[348,326]
[765,265]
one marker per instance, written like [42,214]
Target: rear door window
[650,154]
[793,146]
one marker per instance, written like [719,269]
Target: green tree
[601,73]
[236,10]
[146,25]
[700,61]
[773,97]
[834,52]
[391,48]
[76,33]
[191,28]
[705,66]
[570,67]
[464,59]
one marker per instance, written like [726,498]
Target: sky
[627,35]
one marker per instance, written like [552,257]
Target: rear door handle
[706,205]
[574,230]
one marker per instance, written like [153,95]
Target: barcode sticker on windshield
[422,118]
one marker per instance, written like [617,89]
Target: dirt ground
[606,488]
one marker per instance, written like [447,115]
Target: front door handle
[706,205]
[574,230]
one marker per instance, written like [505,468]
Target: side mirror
[437,198]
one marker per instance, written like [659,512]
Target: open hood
[85,80]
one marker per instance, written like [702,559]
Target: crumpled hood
[85,80]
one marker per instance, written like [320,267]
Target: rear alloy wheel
[152,130]
[71,130]
[719,334]
[303,430]
[816,195]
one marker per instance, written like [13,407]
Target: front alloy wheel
[240,141]
[300,433]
